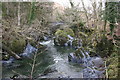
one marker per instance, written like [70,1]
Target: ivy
[112,13]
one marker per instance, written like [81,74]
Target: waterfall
[70,37]
[84,58]
[8,62]
[69,41]
[29,50]
[45,42]
[88,56]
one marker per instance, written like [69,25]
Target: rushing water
[55,59]
[61,65]
[54,63]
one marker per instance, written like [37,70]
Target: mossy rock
[61,33]
[69,31]
[18,45]
[61,36]
[64,32]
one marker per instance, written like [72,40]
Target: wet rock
[10,63]
[7,62]
[74,59]
[98,62]
[79,56]
[89,73]
[80,53]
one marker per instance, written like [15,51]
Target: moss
[78,53]
[61,35]
[113,67]
[111,72]
[18,45]
[75,42]
[64,32]
[83,34]
[69,31]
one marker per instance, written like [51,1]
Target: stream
[63,69]
[53,64]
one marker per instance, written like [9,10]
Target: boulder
[61,36]
[17,45]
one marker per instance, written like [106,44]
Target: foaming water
[61,64]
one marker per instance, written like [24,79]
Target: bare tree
[19,14]
[86,13]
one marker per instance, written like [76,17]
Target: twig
[106,71]
[19,73]
[33,66]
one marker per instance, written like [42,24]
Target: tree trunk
[19,14]
[7,8]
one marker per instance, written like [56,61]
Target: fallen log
[10,52]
